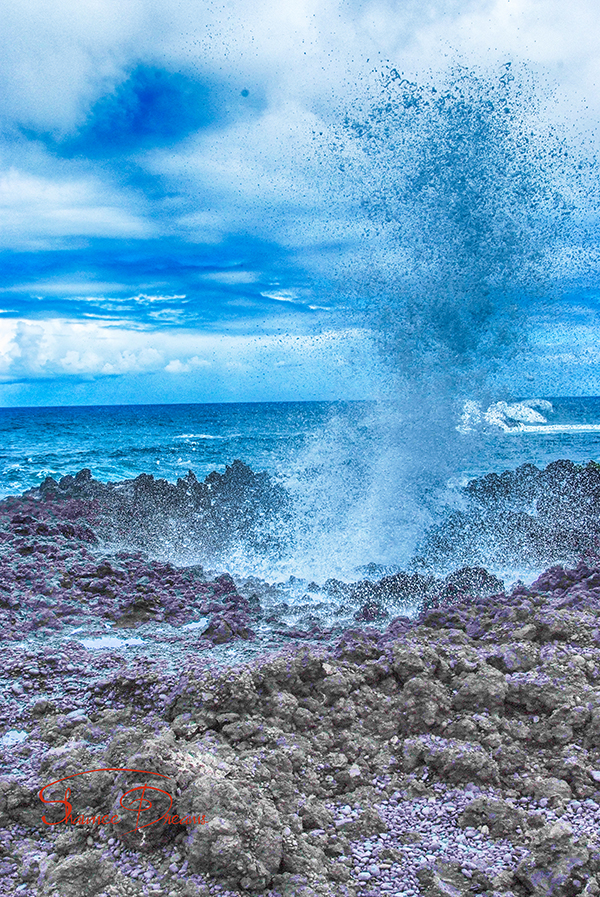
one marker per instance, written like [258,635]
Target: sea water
[472,213]
[324,454]
[121,442]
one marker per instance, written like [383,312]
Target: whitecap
[556,428]
[514,417]
[200,436]
[518,411]
[542,404]
[470,417]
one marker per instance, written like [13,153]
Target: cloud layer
[168,175]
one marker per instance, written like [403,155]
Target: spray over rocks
[466,201]
[452,751]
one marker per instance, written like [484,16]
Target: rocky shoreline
[451,752]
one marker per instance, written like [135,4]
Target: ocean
[364,491]
[465,214]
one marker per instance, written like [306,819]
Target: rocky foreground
[454,753]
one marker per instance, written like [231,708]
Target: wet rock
[371,610]
[535,691]
[314,814]
[409,660]
[501,818]
[526,517]
[290,885]
[484,690]
[475,581]
[478,691]
[70,842]
[226,628]
[356,646]
[226,508]
[400,588]
[443,880]
[86,873]
[550,788]
[242,842]
[19,804]
[425,704]
[514,658]
[557,863]
[368,823]
[453,761]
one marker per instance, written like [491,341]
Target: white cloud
[60,286]
[126,362]
[310,59]
[79,362]
[33,207]
[57,58]
[177,367]
[264,175]
[142,298]
[58,348]
[281,295]
[231,277]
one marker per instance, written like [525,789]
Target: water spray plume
[469,197]
[467,203]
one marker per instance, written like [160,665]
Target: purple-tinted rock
[226,628]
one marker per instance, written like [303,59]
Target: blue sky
[174,226]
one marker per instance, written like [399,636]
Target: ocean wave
[516,417]
[205,436]
[556,428]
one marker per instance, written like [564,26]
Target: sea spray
[469,211]
[468,204]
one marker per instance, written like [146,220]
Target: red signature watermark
[139,804]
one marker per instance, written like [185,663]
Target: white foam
[12,737]
[200,436]
[109,641]
[556,428]
[501,412]
[517,418]
[199,624]
[544,404]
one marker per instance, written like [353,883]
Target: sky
[174,227]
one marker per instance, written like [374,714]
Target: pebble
[478,851]
[78,714]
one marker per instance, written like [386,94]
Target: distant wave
[517,418]
[204,436]
[555,428]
